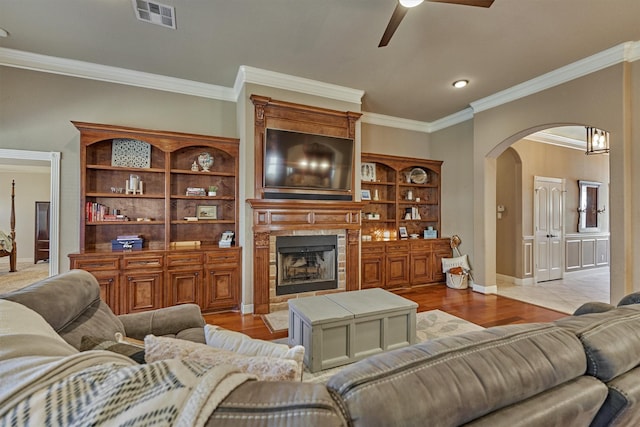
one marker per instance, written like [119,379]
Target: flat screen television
[298,163]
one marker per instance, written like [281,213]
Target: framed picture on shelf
[207,212]
[368,172]
[402,232]
[366,195]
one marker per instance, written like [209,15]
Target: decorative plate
[418,176]
[130,153]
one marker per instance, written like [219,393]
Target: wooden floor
[483,310]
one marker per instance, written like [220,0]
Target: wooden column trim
[261,272]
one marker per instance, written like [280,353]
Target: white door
[548,218]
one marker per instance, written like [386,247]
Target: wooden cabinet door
[421,268]
[109,285]
[441,249]
[397,269]
[220,287]
[184,286]
[142,291]
[397,264]
[372,271]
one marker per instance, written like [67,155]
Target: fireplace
[306,264]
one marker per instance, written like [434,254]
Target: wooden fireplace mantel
[271,215]
[289,215]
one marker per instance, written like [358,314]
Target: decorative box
[126,245]
[430,234]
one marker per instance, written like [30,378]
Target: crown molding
[394,122]
[629,52]
[105,73]
[558,140]
[583,67]
[452,119]
[247,74]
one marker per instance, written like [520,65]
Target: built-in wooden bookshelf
[403,194]
[180,230]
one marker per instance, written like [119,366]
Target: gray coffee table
[337,329]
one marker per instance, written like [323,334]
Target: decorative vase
[205,160]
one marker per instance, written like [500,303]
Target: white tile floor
[564,295]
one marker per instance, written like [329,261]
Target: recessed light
[4,33]
[460,83]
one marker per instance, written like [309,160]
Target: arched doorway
[582,257]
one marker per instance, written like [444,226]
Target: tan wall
[39,107]
[596,99]
[31,187]
[453,146]
[558,162]
[395,142]
[516,169]
[509,195]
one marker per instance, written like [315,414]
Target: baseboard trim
[525,281]
[246,308]
[484,289]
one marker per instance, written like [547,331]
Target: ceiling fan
[403,7]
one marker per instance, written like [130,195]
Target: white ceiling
[334,41]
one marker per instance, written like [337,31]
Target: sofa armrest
[593,307]
[164,321]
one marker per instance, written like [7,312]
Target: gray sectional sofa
[579,371]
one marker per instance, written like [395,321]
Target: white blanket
[45,381]
[168,393]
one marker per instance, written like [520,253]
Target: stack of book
[196,191]
[127,242]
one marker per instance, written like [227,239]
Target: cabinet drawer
[222,257]
[184,259]
[142,262]
[398,247]
[95,264]
[373,248]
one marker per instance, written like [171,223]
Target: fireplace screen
[306,263]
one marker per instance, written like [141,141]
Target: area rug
[429,325]
[27,274]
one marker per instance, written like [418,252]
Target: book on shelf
[129,237]
[196,191]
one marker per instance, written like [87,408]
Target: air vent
[155,13]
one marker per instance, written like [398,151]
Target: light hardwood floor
[483,310]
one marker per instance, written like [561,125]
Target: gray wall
[36,110]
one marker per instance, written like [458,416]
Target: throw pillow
[19,320]
[134,352]
[238,342]
[264,368]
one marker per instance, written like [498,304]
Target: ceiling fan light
[410,3]
[460,83]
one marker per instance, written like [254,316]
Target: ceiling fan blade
[479,3]
[398,13]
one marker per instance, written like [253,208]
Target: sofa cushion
[622,407]
[611,340]
[77,309]
[457,379]
[574,403]
[240,343]
[264,368]
[22,323]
